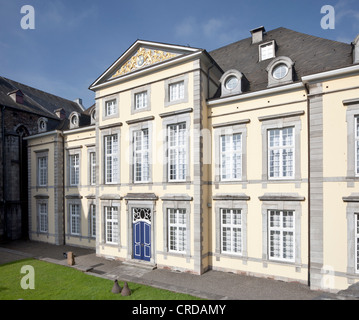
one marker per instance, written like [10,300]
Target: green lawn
[55,282]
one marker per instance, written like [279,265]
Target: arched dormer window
[231,83]
[93,116]
[280,71]
[74,120]
[42,124]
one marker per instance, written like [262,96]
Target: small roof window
[267,51]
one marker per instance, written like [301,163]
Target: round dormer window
[74,120]
[42,125]
[280,71]
[231,83]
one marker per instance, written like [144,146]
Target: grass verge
[56,282]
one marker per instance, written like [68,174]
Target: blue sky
[75,41]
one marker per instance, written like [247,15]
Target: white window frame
[356,135]
[268,53]
[93,220]
[74,168]
[75,219]
[232,226]
[280,148]
[233,155]
[110,107]
[43,217]
[176,91]
[92,168]
[281,230]
[113,157]
[111,225]
[177,241]
[177,151]
[356,227]
[42,171]
[141,155]
[141,100]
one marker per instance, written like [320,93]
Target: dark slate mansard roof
[38,102]
[310,55]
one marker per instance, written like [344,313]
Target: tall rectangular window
[74,169]
[177,146]
[141,100]
[231,231]
[357,146]
[177,230]
[141,156]
[111,159]
[111,227]
[43,220]
[231,157]
[42,167]
[75,227]
[110,107]
[176,91]
[281,153]
[281,235]
[92,168]
[93,220]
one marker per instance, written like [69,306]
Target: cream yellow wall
[124,91]
[80,141]
[38,145]
[255,187]
[336,185]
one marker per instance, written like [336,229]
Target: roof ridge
[39,90]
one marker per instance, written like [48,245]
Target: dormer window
[42,124]
[267,51]
[74,120]
[280,71]
[231,83]
[93,116]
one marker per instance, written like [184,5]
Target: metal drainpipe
[209,69]
[309,180]
[3,169]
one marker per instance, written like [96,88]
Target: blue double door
[142,240]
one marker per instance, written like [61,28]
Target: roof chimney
[79,102]
[257,34]
[355,44]
[60,113]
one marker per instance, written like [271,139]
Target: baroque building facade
[242,159]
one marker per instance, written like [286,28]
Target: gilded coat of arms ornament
[143,57]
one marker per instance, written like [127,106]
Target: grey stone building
[24,111]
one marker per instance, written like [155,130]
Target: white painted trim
[299,85]
[40,135]
[328,74]
[141,71]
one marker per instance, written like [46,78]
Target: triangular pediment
[142,55]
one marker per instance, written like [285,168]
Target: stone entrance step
[140,264]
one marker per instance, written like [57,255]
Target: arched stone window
[231,83]
[74,120]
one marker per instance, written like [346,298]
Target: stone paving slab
[213,285]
